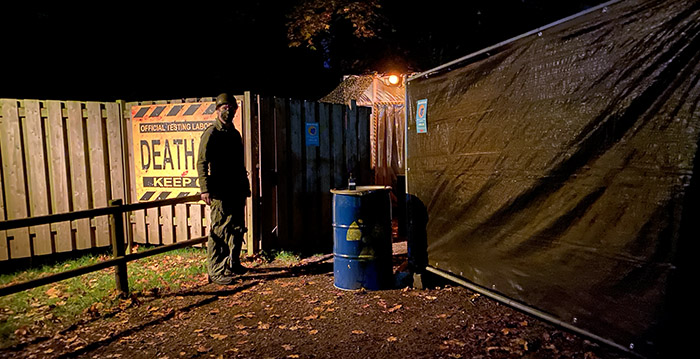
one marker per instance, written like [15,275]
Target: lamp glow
[393,79]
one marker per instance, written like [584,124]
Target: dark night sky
[156,52]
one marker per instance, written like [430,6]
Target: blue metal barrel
[362,238]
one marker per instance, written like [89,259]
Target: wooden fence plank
[153,224]
[58,174]
[78,173]
[251,144]
[324,174]
[4,253]
[139,217]
[36,176]
[97,157]
[116,152]
[181,229]
[296,175]
[268,174]
[13,170]
[363,146]
[195,220]
[284,205]
[311,202]
[166,216]
[338,146]
[4,250]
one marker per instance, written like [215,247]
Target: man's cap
[225,98]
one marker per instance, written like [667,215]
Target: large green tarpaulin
[558,169]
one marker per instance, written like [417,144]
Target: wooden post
[117,224]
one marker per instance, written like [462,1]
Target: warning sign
[166,145]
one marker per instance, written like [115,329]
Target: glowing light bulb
[393,79]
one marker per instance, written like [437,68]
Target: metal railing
[115,211]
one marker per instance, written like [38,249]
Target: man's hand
[205,197]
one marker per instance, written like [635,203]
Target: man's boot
[236,266]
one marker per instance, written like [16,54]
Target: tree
[311,21]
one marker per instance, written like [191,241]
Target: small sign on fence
[421,116]
[166,145]
[312,134]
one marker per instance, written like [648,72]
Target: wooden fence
[296,177]
[63,156]
[58,156]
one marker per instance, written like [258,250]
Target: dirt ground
[296,312]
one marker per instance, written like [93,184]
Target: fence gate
[305,149]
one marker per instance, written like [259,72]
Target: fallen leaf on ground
[311,317]
[198,330]
[358,332]
[219,336]
[455,342]
[287,347]
[391,339]
[395,308]
[53,292]
[312,332]
[214,311]
[263,326]
[293,356]
[520,341]
[203,349]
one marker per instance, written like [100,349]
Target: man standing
[224,186]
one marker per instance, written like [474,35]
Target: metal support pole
[117,223]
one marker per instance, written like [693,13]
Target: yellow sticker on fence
[354,232]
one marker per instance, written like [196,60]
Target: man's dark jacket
[220,163]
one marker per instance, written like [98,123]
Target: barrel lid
[360,190]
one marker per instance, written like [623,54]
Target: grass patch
[286,258]
[62,303]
